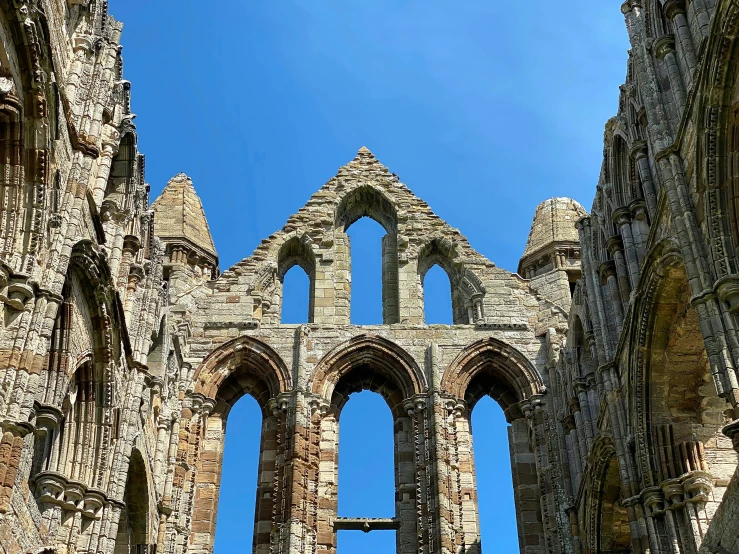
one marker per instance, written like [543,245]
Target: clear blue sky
[483,108]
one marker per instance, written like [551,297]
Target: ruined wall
[613,352]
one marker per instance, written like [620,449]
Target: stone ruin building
[613,351]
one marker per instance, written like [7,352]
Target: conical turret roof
[554,221]
[179,216]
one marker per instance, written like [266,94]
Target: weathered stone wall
[613,352]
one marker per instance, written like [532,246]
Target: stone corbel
[16,292]
[727,290]
[654,501]
[318,405]
[697,487]
[664,45]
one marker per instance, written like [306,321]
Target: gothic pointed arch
[366,201]
[134,525]
[492,367]
[606,525]
[466,288]
[297,251]
[367,362]
[678,410]
[244,365]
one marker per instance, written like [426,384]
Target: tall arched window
[437,300]
[134,527]
[356,263]
[296,296]
[235,529]
[296,274]
[497,510]
[367,240]
[366,476]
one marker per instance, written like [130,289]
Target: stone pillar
[702,15]
[616,248]
[573,452]
[526,489]
[622,218]
[675,10]
[390,301]
[608,279]
[665,49]
[639,227]
[592,281]
[536,414]
[417,534]
[105,161]
[641,155]
[581,390]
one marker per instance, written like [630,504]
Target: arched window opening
[296,274]
[356,264]
[296,296]
[81,426]
[366,472]
[369,300]
[235,528]
[685,413]
[492,463]
[614,535]
[437,300]
[122,172]
[133,526]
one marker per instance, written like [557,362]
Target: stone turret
[179,221]
[552,255]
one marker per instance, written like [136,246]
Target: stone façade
[613,351]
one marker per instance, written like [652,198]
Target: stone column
[526,489]
[592,280]
[608,279]
[622,218]
[616,248]
[573,452]
[417,534]
[675,10]
[639,227]
[105,161]
[641,155]
[535,411]
[390,301]
[581,390]
[665,49]
[701,11]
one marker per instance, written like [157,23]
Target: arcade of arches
[613,351]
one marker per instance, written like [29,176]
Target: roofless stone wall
[613,352]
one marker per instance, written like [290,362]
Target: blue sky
[483,109]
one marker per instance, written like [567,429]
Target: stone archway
[239,367]
[684,460]
[493,368]
[375,364]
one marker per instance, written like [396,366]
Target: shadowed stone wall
[613,351]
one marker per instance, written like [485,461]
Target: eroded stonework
[613,351]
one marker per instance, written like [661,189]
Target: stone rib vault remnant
[613,351]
